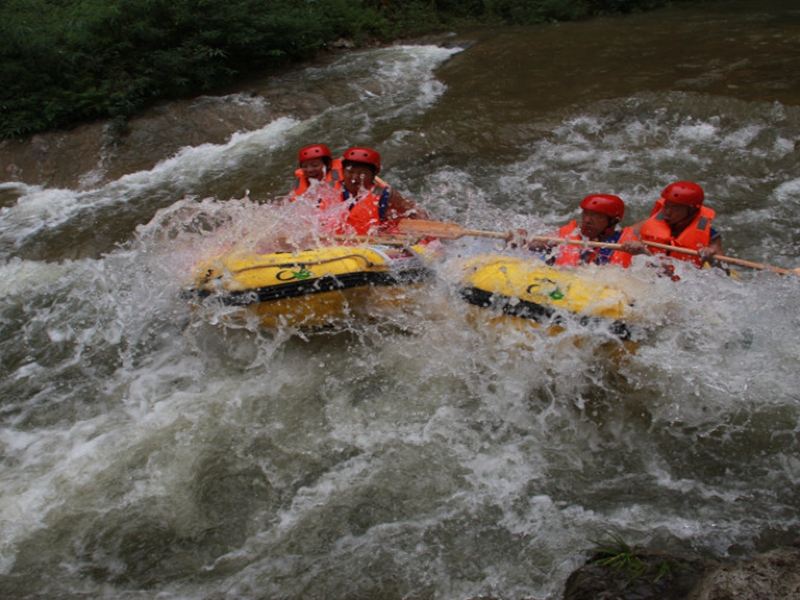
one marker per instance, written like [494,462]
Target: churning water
[149,450]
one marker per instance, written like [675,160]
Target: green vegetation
[617,555]
[68,61]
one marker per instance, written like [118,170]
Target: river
[149,453]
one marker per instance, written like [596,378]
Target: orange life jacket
[370,211]
[363,215]
[571,255]
[333,178]
[696,235]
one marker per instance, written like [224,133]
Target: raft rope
[305,264]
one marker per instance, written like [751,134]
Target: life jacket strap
[383,202]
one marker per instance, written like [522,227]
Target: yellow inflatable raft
[530,289]
[312,288]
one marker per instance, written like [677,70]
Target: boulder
[768,576]
[636,574]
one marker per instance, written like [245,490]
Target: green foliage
[63,61]
[67,61]
[600,7]
[615,554]
[524,12]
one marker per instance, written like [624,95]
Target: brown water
[146,451]
[501,88]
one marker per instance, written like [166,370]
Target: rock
[641,574]
[635,574]
[769,576]
[90,155]
[343,44]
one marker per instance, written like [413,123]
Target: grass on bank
[63,62]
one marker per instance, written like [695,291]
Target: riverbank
[68,64]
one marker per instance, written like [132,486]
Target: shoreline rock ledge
[644,574]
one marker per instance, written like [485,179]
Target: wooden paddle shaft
[381,240]
[717,257]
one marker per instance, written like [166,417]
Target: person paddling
[600,219]
[679,218]
[371,202]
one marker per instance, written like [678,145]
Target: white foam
[18,276]
[40,208]
[788,191]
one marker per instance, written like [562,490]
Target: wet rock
[636,574]
[52,158]
[89,155]
[343,43]
[768,576]
[639,574]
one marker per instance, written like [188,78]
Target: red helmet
[364,155]
[684,192]
[607,204]
[313,151]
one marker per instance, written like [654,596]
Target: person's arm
[540,246]
[403,208]
[635,246]
[517,238]
[714,247]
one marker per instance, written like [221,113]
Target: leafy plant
[614,553]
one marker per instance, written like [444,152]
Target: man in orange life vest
[680,219]
[601,215]
[371,202]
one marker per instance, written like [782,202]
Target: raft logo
[548,287]
[287,275]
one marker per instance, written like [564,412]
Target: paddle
[728,259]
[385,240]
[448,231]
[453,231]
